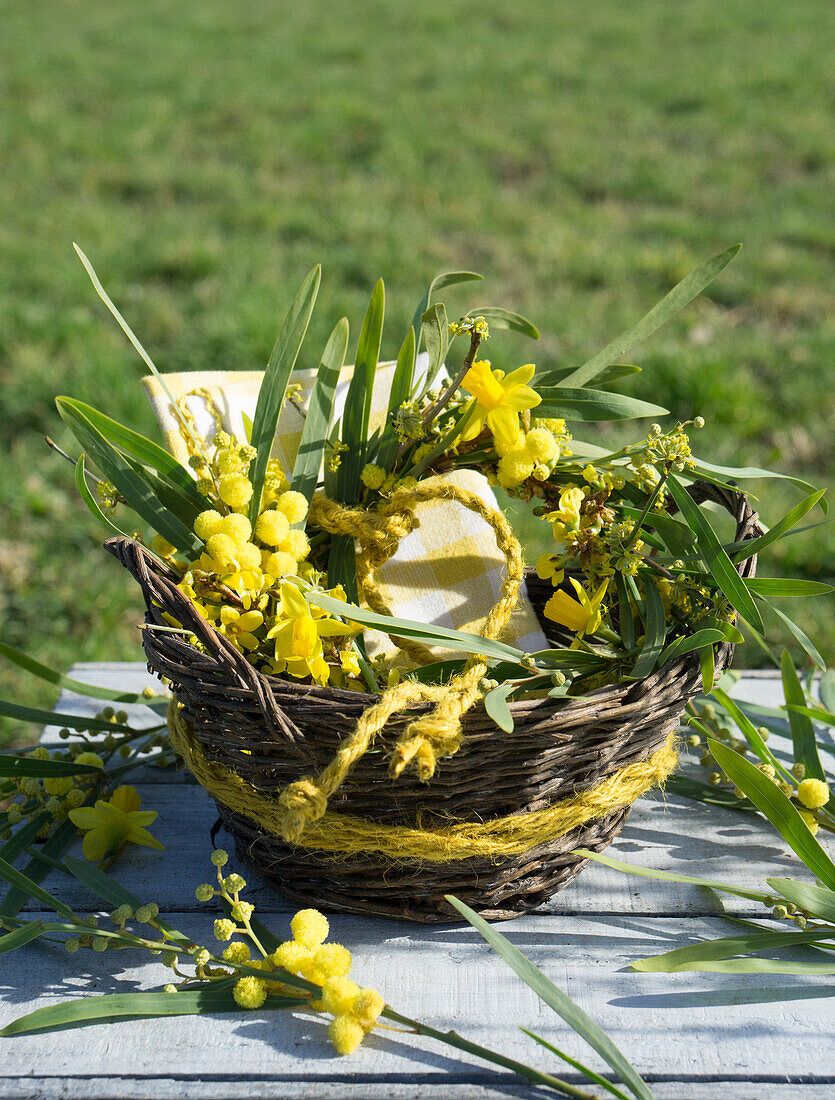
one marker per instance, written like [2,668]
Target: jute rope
[439,732]
[347,835]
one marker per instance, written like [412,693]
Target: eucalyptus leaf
[560,1002]
[771,587]
[722,475]
[671,304]
[782,527]
[690,642]
[802,729]
[274,383]
[715,558]
[779,810]
[594,405]
[319,418]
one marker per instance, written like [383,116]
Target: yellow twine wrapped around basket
[346,835]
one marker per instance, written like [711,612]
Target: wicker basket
[272,731]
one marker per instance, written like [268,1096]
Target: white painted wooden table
[691,1035]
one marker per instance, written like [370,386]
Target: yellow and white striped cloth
[448,572]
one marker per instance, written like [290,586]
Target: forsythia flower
[109,826]
[499,399]
[583,615]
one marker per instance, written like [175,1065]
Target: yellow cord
[498,838]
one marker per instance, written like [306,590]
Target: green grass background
[582,156]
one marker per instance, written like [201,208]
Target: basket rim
[146,569]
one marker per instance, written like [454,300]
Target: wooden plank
[688,1029]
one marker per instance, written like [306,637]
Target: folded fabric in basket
[448,572]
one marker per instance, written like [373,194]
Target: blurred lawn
[583,157]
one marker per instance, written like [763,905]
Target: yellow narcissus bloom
[298,635]
[550,567]
[238,626]
[499,399]
[583,615]
[566,518]
[109,826]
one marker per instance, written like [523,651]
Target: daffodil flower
[499,399]
[298,635]
[238,626]
[109,826]
[551,567]
[583,615]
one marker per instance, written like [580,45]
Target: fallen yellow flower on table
[111,825]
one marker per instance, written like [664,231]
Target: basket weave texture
[271,731]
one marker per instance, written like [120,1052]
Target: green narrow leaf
[788,587]
[770,800]
[613,373]
[37,869]
[802,729]
[626,618]
[357,412]
[827,691]
[498,318]
[29,766]
[683,958]
[51,718]
[51,676]
[656,626]
[668,876]
[434,635]
[585,1070]
[714,556]
[495,703]
[21,936]
[20,881]
[782,527]
[688,643]
[671,304]
[802,637]
[401,387]
[142,450]
[274,385]
[448,278]
[435,332]
[128,331]
[750,732]
[722,475]
[560,1002]
[594,405]
[816,900]
[23,836]
[762,966]
[112,891]
[707,664]
[134,486]
[91,502]
[317,425]
[112,1007]
[815,713]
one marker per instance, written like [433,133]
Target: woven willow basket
[270,732]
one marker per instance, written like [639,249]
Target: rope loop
[431,736]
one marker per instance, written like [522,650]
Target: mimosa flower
[110,826]
[499,399]
[583,615]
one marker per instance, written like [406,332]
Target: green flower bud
[219,857]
